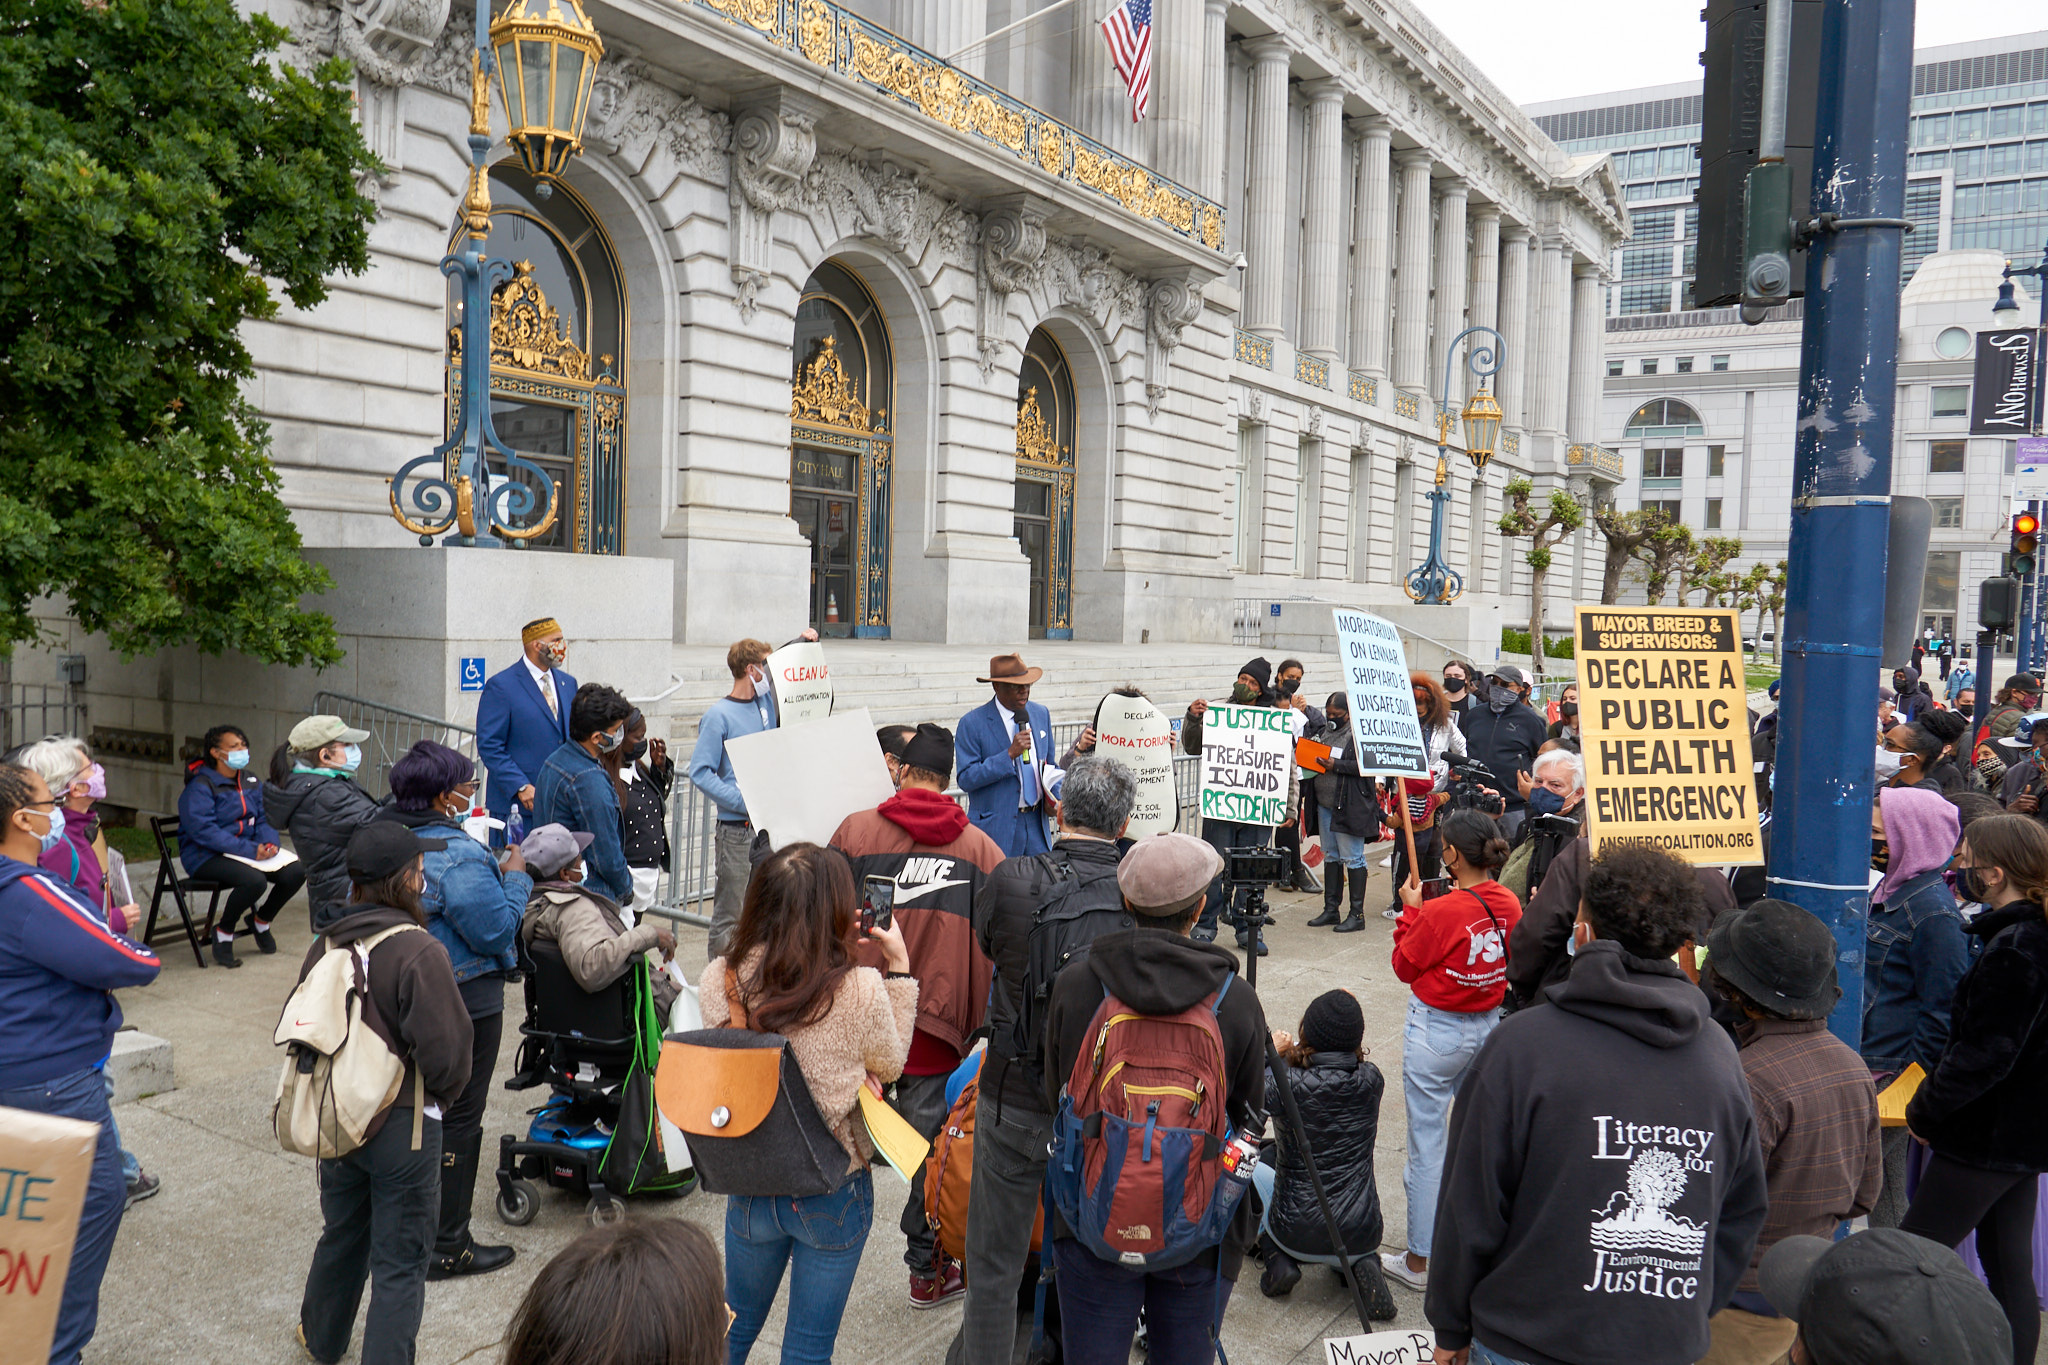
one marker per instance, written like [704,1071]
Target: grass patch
[138,846]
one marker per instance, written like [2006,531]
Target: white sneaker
[1395,1263]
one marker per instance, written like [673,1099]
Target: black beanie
[1333,1023]
[1262,671]
[931,748]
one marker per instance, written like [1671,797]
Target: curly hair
[1439,711]
[1644,899]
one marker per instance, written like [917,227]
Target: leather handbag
[740,1099]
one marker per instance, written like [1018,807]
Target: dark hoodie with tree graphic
[1604,1184]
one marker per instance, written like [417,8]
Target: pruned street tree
[1771,601]
[1702,568]
[164,168]
[1661,556]
[1562,516]
[1627,534]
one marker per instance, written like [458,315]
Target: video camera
[1473,786]
[1254,866]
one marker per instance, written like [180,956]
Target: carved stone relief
[773,145]
[1012,247]
[1172,302]
[889,206]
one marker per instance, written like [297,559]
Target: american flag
[1129,31]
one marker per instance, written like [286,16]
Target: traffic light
[1998,604]
[2026,538]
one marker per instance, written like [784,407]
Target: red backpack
[1142,1168]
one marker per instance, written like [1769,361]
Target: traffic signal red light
[2026,539]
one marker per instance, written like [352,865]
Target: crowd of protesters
[1629,1135]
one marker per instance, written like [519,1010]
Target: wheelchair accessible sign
[471,674]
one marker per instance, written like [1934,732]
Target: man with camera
[918,851]
[1504,735]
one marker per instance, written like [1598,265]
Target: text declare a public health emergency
[1664,717]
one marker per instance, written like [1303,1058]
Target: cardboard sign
[1664,713]
[45,1166]
[1246,754]
[1131,731]
[1383,720]
[1381,1348]
[800,781]
[800,683]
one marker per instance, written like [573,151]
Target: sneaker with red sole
[929,1291]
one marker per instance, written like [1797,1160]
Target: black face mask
[635,750]
[1454,686]
[1880,854]
[1570,708]
[1288,686]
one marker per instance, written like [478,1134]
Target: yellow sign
[1664,717]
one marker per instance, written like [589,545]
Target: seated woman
[597,940]
[222,830]
[1338,1094]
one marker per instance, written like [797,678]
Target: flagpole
[1008,29]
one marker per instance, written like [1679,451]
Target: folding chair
[165,827]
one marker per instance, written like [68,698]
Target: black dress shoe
[265,940]
[474,1259]
[224,954]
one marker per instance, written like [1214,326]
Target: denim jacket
[1914,953]
[574,791]
[472,909]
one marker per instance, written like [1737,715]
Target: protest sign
[800,683]
[1131,731]
[1664,712]
[1383,720]
[800,781]
[1381,1348]
[45,1166]
[1246,752]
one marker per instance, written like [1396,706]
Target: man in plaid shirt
[1816,1111]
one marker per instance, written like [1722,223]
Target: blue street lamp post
[545,55]
[2032,639]
[1436,581]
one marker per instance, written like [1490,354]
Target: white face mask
[1888,763]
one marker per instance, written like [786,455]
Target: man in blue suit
[1005,760]
[523,716]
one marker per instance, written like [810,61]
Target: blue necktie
[1027,775]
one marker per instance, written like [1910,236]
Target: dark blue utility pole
[1842,480]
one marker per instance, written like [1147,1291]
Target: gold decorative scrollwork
[1037,443]
[824,393]
[528,334]
[1052,149]
[814,33]
[1212,227]
[760,14]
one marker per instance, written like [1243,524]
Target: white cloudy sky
[1552,49]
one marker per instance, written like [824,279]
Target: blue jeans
[1348,849]
[1482,1356]
[819,1238]
[1437,1047]
[131,1169]
[82,1095]
[1099,1305]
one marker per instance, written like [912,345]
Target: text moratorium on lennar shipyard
[1664,716]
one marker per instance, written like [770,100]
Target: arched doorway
[558,330]
[1044,497]
[841,394]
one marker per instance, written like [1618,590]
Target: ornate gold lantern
[548,52]
[1482,427]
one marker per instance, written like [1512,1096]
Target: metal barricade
[393,730]
[33,710]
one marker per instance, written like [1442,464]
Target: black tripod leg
[1346,1266]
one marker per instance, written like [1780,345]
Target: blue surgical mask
[351,758]
[55,834]
[238,759]
[1544,801]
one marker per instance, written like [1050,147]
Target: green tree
[162,166]
[1627,534]
[1562,517]
[1661,557]
[1702,569]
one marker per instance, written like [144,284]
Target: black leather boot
[1333,896]
[1282,1272]
[458,1191]
[1355,921]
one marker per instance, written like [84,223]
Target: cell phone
[1433,887]
[877,903]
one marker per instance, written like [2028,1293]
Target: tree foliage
[1627,534]
[1562,516]
[1704,570]
[160,168]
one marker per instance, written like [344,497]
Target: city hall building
[856,316]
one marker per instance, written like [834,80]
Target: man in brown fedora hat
[1005,756]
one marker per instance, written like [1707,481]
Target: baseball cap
[317,732]
[1508,673]
[2024,681]
[1166,873]
[1884,1297]
[2022,737]
[382,847]
[550,848]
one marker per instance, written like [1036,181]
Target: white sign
[1247,755]
[800,682]
[800,782]
[1131,731]
[1383,720]
[2030,463]
[1381,1348]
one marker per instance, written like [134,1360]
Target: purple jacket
[74,861]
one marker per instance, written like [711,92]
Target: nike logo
[908,893]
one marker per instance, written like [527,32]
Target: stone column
[1546,361]
[1411,243]
[1509,385]
[1322,238]
[1484,289]
[1452,256]
[1215,94]
[1101,105]
[1560,343]
[1372,232]
[943,27]
[1265,225]
[1178,77]
[1589,326]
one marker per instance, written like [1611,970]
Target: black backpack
[1081,906]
